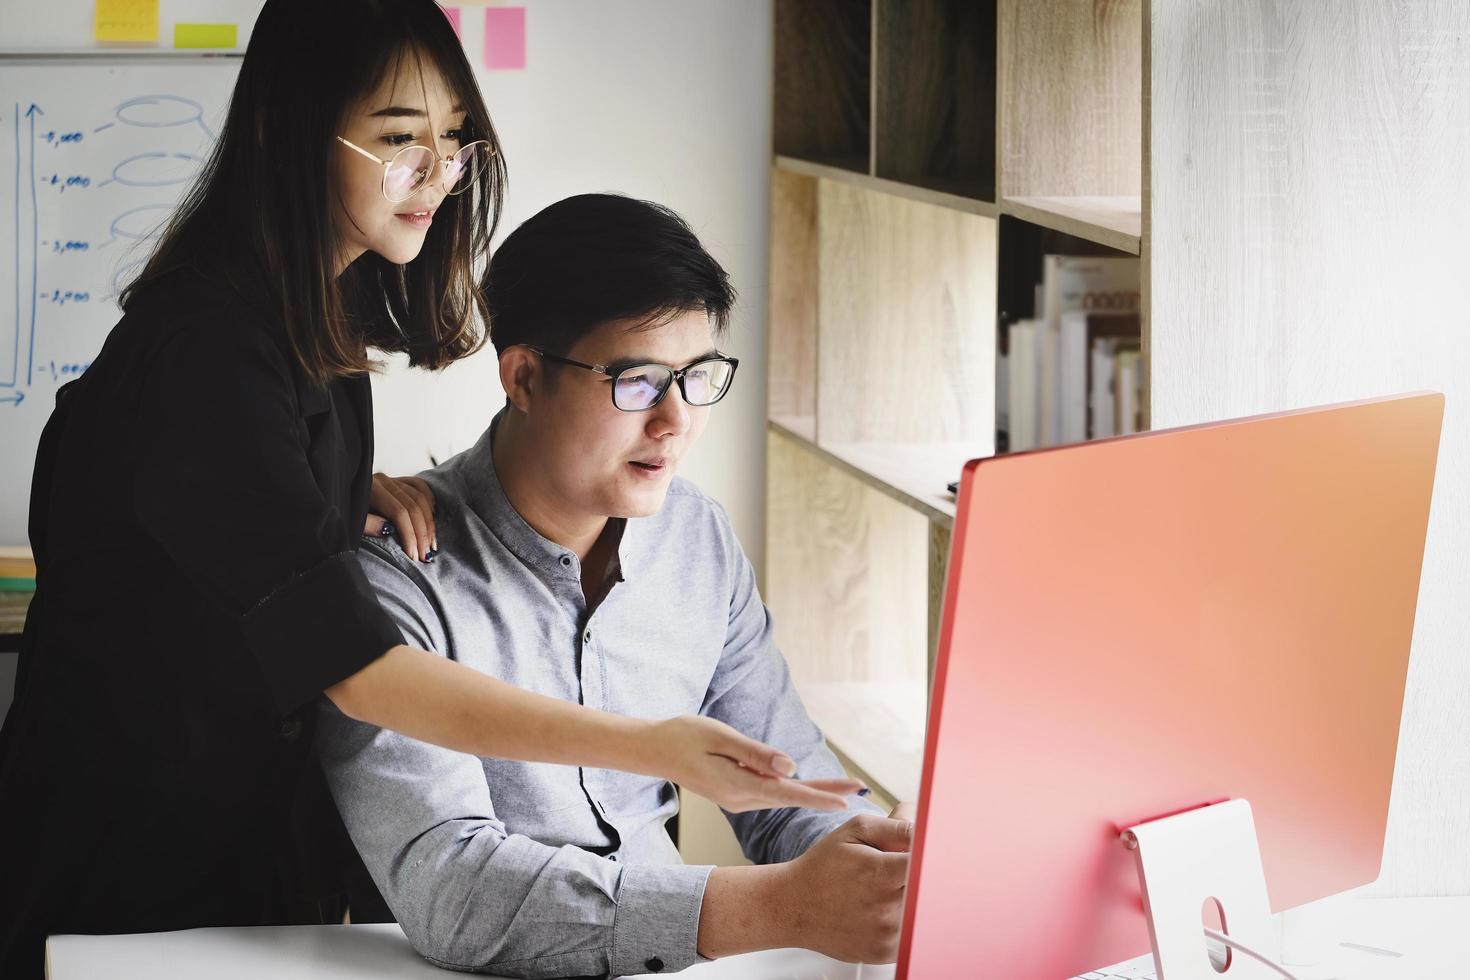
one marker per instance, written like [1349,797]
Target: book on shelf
[1103,381]
[1102,405]
[17,569]
[1023,367]
[1128,385]
[1073,284]
[1002,391]
[1080,391]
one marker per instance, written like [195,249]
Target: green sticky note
[204,35]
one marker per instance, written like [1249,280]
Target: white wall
[667,100]
[662,99]
[1310,206]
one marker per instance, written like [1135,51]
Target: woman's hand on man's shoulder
[403,507]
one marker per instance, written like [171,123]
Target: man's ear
[520,376]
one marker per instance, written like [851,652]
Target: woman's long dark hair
[263,205]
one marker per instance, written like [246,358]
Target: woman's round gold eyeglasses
[412,166]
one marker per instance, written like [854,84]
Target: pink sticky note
[505,37]
[453,14]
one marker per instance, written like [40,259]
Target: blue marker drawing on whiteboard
[134,225]
[35,237]
[162,111]
[15,357]
[69,153]
[24,167]
[167,169]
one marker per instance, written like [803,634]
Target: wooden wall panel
[1308,206]
[1069,79]
[905,311]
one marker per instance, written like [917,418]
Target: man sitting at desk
[574,563]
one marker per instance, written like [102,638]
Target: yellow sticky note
[126,20]
[204,35]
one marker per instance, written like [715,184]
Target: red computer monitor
[1144,625]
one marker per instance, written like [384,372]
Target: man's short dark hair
[597,257]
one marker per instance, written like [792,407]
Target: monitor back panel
[1145,625]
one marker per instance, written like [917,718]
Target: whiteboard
[98,152]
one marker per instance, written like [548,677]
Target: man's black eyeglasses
[642,386]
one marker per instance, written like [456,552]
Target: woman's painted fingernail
[429,558]
[386,529]
[864,791]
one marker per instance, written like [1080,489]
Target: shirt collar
[489,502]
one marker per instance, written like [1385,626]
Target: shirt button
[566,561]
[612,857]
[587,636]
[654,964]
[291,729]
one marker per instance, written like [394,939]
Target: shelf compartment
[934,97]
[791,350]
[905,320]
[1116,222]
[823,82]
[847,581]
[1023,248]
[1070,98]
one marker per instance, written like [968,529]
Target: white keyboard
[1139,968]
[1142,967]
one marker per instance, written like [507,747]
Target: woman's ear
[520,376]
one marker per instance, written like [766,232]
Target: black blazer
[194,510]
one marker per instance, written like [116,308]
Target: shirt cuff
[321,627]
[656,926]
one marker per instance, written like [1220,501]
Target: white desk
[361,952]
[1426,932]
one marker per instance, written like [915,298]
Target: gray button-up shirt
[542,870]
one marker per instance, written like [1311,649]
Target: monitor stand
[1185,860]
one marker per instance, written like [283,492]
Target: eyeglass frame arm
[441,159]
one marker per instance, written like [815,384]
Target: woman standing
[198,494]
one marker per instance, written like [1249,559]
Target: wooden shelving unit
[928,153]
[824,78]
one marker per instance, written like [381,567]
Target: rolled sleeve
[656,927]
[317,629]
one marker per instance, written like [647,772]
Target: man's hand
[847,890]
[843,897]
